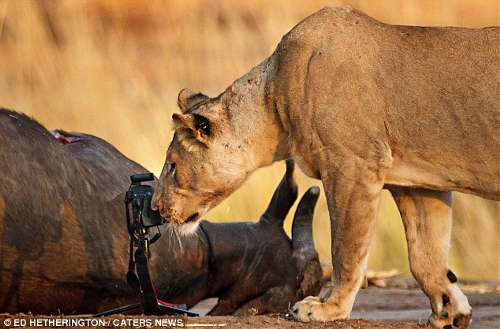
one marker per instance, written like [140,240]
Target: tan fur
[362,106]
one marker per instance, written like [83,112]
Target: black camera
[138,200]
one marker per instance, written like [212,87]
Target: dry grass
[114,68]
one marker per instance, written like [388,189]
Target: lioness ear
[188,98]
[199,125]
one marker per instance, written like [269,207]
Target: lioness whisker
[174,234]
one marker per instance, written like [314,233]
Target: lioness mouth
[191,218]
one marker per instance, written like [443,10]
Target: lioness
[362,106]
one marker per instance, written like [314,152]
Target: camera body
[138,203]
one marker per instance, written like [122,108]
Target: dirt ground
[397,303]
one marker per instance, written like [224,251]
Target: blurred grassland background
[114,69]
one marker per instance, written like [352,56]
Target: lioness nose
[156,200]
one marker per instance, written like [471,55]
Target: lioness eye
[171,168]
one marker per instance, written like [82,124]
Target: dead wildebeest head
[247,265]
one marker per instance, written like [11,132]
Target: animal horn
[304,254]
[302,237]
[284,196]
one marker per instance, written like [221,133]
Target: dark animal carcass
[64,242]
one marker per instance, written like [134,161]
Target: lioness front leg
[353,203]
[427,220]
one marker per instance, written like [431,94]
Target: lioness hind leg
[427,220]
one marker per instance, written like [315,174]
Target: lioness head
[206,160]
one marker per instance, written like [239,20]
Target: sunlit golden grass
[114,69]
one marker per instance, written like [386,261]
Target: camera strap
[148,292]
[132,279]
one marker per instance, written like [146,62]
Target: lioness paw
[460,321]
[313,309]
[451,311]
